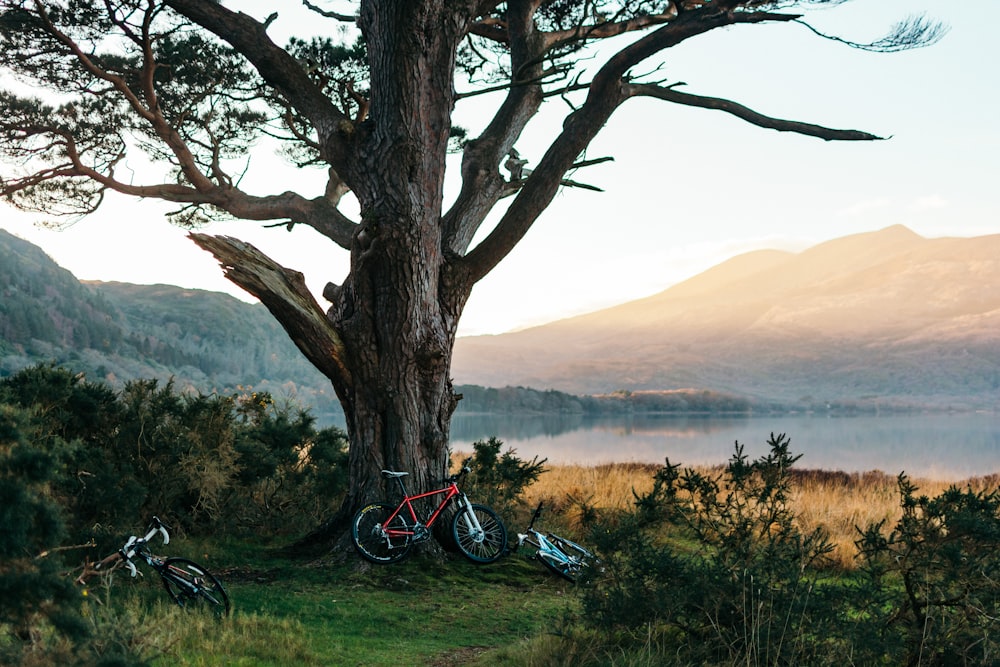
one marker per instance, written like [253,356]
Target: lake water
[946,447]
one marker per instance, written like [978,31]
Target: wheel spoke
[371,539]
[189,584]
[485,544]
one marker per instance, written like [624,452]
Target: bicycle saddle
[390,474]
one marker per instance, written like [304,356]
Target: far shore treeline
[525,400]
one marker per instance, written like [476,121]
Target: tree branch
[285,294]
[607,92]
[670,94]
[912,32]
[282,72]
[319,213]
[492,28]
[329,14]
[482,184]
[605,30]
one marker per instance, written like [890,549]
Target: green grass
[285,611]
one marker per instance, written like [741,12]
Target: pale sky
[688,188]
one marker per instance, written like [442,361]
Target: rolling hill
[886,317]
[203,341]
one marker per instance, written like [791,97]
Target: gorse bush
[205,464]
[712,569]
[500,479]
[932,583]
[293,475]
[35,599]
[717,564]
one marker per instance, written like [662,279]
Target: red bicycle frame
[383,532]
[451,491]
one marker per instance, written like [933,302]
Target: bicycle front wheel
[483,544]
[368,532]
[190,585]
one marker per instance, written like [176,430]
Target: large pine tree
[192,84]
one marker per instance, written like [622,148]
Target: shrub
[499,480]
[291,476]
[932,583]
[713,570]
[205,464]
[716,565]
[39,607]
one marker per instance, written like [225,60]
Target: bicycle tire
[369,539]
[557,567]
[190,584]
[485,547]
[584,557]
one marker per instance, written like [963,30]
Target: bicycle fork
[476,531]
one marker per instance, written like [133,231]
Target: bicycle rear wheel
[558,567]
[190,585]
[480,546]
[580,558]
[369,536]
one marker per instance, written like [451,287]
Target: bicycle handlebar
[133,544]
[534,517]
[465,469]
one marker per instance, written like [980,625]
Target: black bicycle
[188,583]
[561,556]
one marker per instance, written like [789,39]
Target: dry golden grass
[838,502]
[564,488]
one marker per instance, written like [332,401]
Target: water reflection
[939,446]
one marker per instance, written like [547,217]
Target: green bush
[39,606]
[715,565]
[291,476]
[713,570]
[205,464]
[932,584]
[499,480]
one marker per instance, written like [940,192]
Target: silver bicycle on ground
[562,556]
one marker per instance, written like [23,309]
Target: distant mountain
[881,319]
[205,341]
[885,318]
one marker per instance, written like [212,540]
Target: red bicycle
[384,532]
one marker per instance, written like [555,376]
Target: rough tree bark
[386,341]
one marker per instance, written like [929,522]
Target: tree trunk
[387,340]
[398,340]
[398,311]
[386,345]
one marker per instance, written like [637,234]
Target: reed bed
[837,502]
